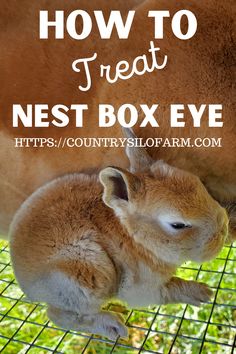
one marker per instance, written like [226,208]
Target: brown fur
[74,244]
[201,70]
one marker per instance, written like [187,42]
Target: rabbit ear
[139,159]
[119,186]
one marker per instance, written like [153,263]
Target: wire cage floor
[177,329]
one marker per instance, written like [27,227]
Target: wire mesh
[25,328]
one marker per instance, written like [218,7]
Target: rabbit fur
[201,70]
[88,239]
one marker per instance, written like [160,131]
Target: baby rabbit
[76,242]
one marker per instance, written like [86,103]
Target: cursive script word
[123,70]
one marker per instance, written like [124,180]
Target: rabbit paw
[111,326]
[198,293]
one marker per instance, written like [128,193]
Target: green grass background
[152,329]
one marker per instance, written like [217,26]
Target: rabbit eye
[180,226]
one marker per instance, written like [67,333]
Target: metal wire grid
[24,327]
